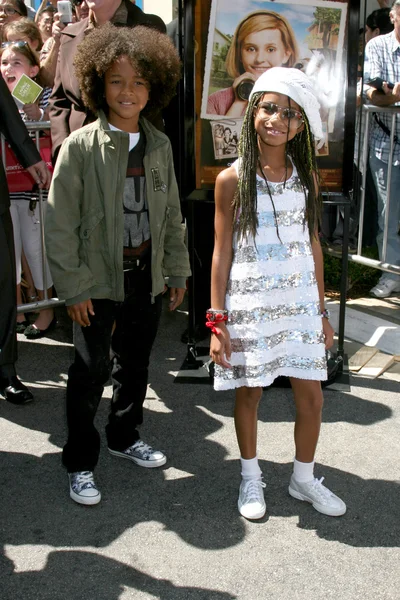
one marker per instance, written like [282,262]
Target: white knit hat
[296,85]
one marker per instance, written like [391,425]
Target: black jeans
[129,348]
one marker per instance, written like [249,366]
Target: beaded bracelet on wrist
[214,316]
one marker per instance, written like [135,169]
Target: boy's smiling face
[126,95]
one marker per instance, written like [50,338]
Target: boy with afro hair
[113,231]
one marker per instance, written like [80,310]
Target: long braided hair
[302,152]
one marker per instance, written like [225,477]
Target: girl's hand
[329,332]
[176,296]
[33,112]
[80,312]
[220,347]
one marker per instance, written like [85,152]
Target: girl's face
[126,94]
[16,37]
[263,50]
[8,12]
[13,65]
[275,120]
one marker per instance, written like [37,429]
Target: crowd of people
[114,230]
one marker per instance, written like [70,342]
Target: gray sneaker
[251,503]
[142,454]
[322,499]
[83,489]
[385,287]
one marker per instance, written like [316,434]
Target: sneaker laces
[252,491]
[323,493]
[142,448]
[84,480]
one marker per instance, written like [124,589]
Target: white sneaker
[142,454]
[83,489]
[322,499]
[251,503]
[385,287]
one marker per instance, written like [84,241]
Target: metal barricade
[36,127]
[366,117]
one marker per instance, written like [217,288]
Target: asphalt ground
[174,533]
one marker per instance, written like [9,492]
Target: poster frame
[195,16]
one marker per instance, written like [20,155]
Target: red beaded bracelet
[215,316]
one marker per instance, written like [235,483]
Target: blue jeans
[379,171]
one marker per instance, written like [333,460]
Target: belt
[135,265]
[137,259]
[138,252]
[133,252]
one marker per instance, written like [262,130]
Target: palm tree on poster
[327,21]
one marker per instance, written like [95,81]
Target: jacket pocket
[93,246]
[89,223]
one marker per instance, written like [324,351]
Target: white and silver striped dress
[272,296]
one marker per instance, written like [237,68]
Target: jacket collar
[154,138]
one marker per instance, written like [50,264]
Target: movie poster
[247,37]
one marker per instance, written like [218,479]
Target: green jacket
[85,220]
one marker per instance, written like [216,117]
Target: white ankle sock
[303,472]
[250,468]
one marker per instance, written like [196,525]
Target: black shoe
[21,326]
[33,333]
[201,332]
[15,391]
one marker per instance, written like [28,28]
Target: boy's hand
[176,296]
[80,312]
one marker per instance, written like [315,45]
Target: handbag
[18,178]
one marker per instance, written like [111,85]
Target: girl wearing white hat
[268,317]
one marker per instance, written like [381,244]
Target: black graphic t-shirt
[136,211]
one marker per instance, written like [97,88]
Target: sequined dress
[272,296]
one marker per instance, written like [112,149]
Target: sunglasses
[22,44]
[17,44]
[287,114]
[9,11]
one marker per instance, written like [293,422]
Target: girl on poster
[262,40]
[267,289]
